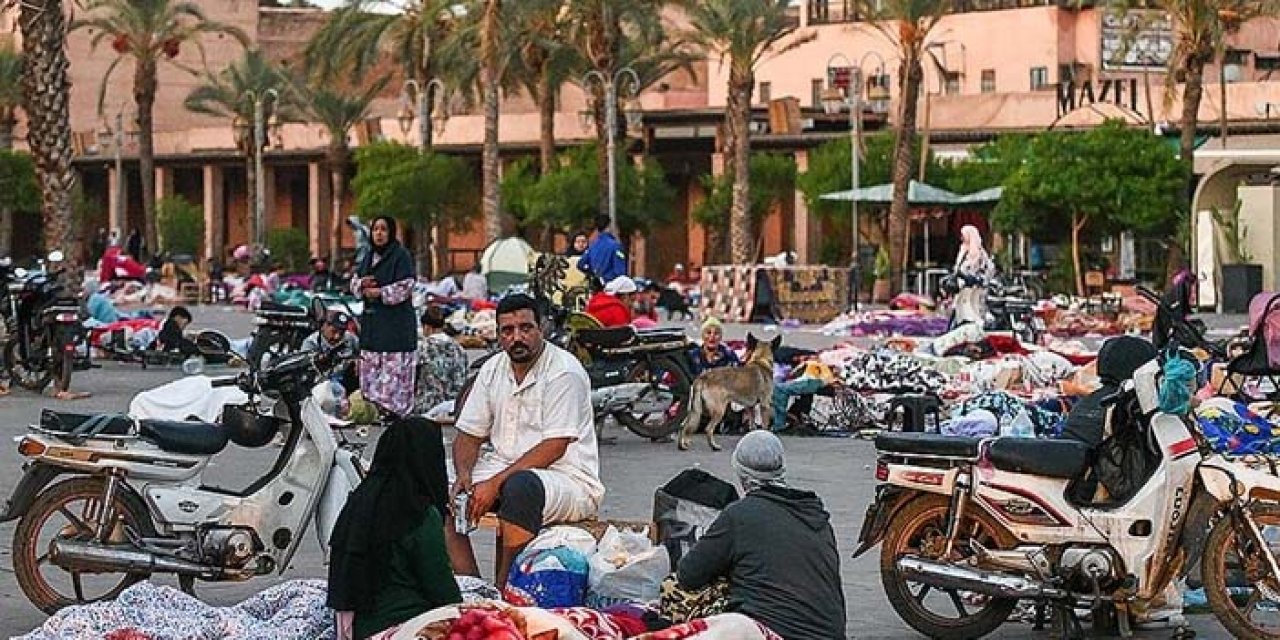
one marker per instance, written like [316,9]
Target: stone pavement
[840,470]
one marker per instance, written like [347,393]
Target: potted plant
[880,290]
[1241,277]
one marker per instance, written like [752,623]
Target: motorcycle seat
[929,444]
[192,438]
[277,308]
[1048,458]
[661,336]
[610,338]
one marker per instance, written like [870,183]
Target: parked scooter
[134,503]
[969,527]
[44,327]
[281,328]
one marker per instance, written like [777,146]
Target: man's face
[580,243]
[181,322]
[520,335]
[711,337]
[331,333]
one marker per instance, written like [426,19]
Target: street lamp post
[116,137]
[832,101]
[610,87]
[259,147]
[424,105]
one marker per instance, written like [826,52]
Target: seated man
[334,337]
[612,307]
[775,547]
[533,404]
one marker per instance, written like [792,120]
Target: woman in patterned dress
[442,363]
[388,326]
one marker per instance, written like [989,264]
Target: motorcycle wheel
[920,529]
[22,372]
[1232,558]
[666,375]
[72,509]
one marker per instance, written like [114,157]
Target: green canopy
[918,193]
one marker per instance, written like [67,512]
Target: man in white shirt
[533,404]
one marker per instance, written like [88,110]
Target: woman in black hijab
[388,325]
[388,559]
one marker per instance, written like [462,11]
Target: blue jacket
[604,259]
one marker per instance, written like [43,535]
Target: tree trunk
[7,124]
[738,115]
[46,92]
[251,184]
[911,75]
[423,252]
[144,94]
[546,120]
[1192,94]
[337,160]
[1077,225]
[489,77]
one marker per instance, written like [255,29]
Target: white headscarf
[973,257]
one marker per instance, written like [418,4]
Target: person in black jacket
[388,324]
[171,337]
[775,546]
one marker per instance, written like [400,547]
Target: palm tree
[338,111]
[148,32]
[10,94]
[355,39]
[46,92]
[907,24]
[491,74]
[10,102]
[744,32]
[543,64]
[227,94]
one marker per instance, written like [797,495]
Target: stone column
[802,229]
[318,204]
[164,183]
[215,213]
[269,195]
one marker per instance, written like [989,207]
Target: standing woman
[974,268]
[388,327]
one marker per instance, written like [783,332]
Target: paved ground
[838,469]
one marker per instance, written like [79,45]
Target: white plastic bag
[626,567]
[563,536]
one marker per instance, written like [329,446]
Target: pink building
[1003,65]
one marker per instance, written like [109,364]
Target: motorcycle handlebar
[226,382]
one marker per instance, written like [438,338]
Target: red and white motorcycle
[970,527]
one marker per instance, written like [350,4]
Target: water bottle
[1021,426]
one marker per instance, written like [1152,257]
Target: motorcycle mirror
[56,256]
[213,343]
[20,272]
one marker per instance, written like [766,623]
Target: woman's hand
[373,293]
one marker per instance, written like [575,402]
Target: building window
[1039,78]
[952,83]
[816,86]
[766,88]
[988,80]
[1266,62]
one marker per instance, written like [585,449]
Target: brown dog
[750,385]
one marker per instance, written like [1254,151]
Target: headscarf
[406,479]
[391,235]
[972,253]
[759,461]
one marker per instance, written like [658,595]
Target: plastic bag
[685,506]
[626,568]
[1020,427]
[547,578]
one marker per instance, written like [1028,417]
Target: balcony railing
[838,11]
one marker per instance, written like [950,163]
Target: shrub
[289,248]
[181,226]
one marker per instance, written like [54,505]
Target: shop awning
[917,193]
[986,196]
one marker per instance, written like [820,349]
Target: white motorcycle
[134,503]
[970,527]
